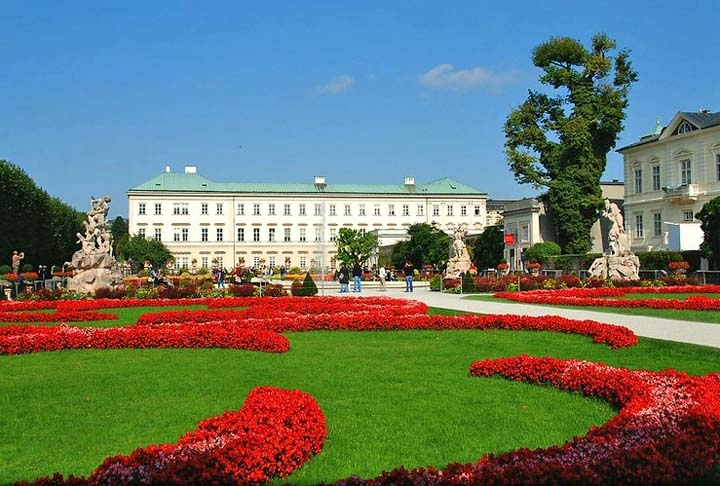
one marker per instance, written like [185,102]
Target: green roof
[194,182]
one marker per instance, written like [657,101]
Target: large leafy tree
[560,143]
[355,246]
[426,245]
[140,249]
[709,216]
[488,247]
[42,227]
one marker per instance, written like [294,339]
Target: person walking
[357,275]
[382,273]
[344,278]
[409,270]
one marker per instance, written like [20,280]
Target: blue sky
[96,97]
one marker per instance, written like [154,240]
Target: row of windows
[271,235]
[686,177]
[657,223]
[302,210]
[272,262]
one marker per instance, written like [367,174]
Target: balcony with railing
[682,193]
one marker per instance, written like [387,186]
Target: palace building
[208,223]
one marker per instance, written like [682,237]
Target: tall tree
[140,250]
[120,232]
[354,246]
[426,245]
[709,216]
[561,142]
[488,247]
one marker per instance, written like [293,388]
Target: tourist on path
[357,274]
[409,274]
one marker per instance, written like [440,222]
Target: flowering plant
[502,266]
[29,275]
[678,265]
[11,276]
[533,265]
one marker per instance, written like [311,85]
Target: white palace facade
[296,224]
[670,174]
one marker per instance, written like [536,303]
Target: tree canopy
[355,246]
[709,216]
[560,143]
[488,247]
[42,227]
[426,246]
[140,249]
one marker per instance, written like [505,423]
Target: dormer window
[684,127]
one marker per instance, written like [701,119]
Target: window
[181,208]
[203,234]
[420,210]
[302,211]
[287,235]
[184,261]
[303,235]
[685,172]
[391,210]
[185,234]
[141,209]
[376,210]
[241,234]
[286,209]
[361,208]
[347,210]
[204,262]
[271,234]
[271,209]
[318,234]
[241,209]
[463,210]
[220,262]
[256,234]
[141,232]
[436,210]
[256,209]
[271,261]
[158,209]
[684,127]
[158,234]
[303,263]
[656,178]
[256,261]
[218,234]
[204,209]
[638,181]
[219,209]
[688,216]
[450,210]
[176,235]
[333,234]
[477,210]
[525,233]
[318,209]
[406,210]
[657,224]
[332,210]
[639,231]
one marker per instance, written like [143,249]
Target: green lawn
[390,398]
[712,317]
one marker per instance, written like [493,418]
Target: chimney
[320,181]
[190,169]
[409,181]
[167,168]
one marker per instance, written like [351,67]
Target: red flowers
[274,433]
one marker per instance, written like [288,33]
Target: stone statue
[93,263]
[620,262]
[459,261]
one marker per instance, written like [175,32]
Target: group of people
[356,272]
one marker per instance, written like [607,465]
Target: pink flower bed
[667,430]
[275,432]
[602,297]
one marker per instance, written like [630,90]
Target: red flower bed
[275,432]
[33,339]
[598,297]
[62,316]
[666,432]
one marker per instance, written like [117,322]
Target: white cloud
[445,76]
[339,84]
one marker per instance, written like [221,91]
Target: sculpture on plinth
[619,262]
[94,264]
[459,262]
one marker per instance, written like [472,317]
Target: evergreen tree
[561,143]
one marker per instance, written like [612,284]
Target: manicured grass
[390,398]
[711,317]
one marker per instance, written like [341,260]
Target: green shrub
[5,269]
[306,288]
[468,283]
[540,252]
[436,282]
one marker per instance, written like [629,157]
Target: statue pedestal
[616,267]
